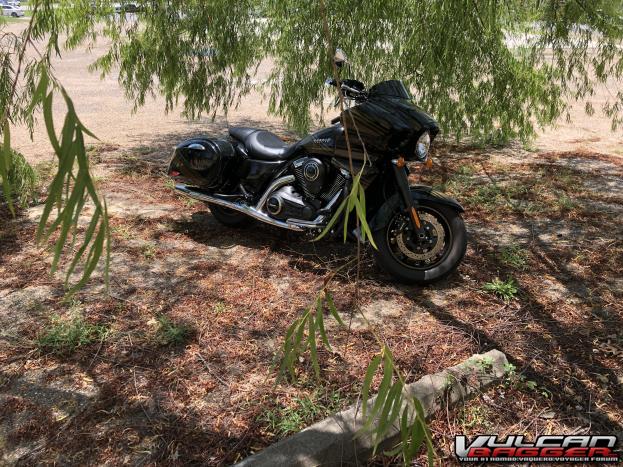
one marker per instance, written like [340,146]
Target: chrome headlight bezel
[422,146]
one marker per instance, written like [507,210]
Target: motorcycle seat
[262,144]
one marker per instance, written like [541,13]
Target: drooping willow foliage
[490,69]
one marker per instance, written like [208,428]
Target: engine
[310,173]
[316,184]
[286,203]
[319,182]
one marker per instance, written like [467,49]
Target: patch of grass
[144,150]
[171,333]
[506,290]
[64,336]
[169,183]
[219,307]
[190,202]
[475,416]
[123,231]
[564,203]
[514,256]
[460,181]
[149,250]
[304,411]
[490,196]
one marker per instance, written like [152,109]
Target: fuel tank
[322,142]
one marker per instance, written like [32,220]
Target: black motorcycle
[419,233]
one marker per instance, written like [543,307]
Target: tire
[14,15]
[229,217]
[410,271]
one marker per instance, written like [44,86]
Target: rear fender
[418,193]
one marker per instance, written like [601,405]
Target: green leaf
[367,381]
[332,308]
[49,123]
[311,337]
[385,383]
[385,420]
[333,220]
[5,165]
[320,322]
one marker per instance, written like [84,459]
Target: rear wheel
[426,258]
[14,15]
[229,217]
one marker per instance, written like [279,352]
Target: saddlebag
[202,162]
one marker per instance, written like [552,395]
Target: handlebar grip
[335,120]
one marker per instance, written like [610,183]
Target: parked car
[127,7]
[14,11]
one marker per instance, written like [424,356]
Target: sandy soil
[104,109]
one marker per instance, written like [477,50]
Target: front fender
[418,193]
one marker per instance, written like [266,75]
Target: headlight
[422,146]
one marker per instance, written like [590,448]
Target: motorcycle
[253,175]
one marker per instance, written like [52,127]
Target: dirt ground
[176,364]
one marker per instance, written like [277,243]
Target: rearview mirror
[339,58]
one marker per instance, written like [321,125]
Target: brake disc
[434,230]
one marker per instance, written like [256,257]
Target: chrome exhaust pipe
[240,207]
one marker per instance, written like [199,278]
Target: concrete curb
[331,441]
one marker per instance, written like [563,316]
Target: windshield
[392,88]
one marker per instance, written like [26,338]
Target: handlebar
[350,87]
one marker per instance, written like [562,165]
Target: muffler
[238,206]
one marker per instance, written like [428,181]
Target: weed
[506,290]
[97,180]
[64,336]
[529,146]
[465,170]
[123,231]
[171,333]
[286,420]
[514,256]
[460,181]
[219,307]
[45,172]
[489,196]
[144,150]
[22,179]
[475,416]
[190,202]
[485,364]
[169,183]
[149,250]
[564,203]
[518,381]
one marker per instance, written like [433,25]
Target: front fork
[408,203]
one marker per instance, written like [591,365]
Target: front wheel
[426,258]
